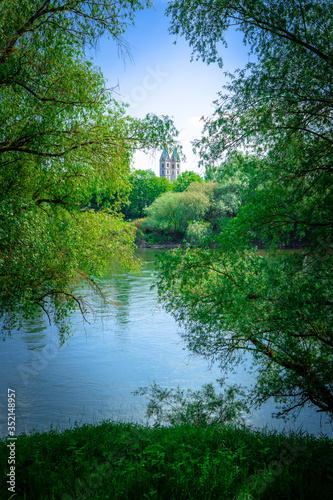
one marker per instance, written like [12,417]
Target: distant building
[170,165]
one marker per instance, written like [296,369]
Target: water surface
[90,378]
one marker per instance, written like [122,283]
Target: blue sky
[159,78]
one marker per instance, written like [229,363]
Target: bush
[172,212]
[197,231]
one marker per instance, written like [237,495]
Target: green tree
[184,180]
[224,200]
[229,191]
[231,299]
[236,179]
[172,212]
[63,138]
[197,231]
[145,188]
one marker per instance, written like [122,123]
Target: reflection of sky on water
[91,377]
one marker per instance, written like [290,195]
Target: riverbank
[170,246]
[127,461]
[162,246]
[182,243]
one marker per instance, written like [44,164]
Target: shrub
[197,231]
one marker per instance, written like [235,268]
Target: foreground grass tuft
[126,461]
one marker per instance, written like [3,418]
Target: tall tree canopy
[63,138]
[232,299]
[184,180]
[145,187]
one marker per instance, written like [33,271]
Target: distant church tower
[170,165]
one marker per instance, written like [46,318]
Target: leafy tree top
[145,187]
[184,180]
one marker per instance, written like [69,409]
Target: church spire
[169,165]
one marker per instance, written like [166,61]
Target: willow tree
[231,299]
[63,138]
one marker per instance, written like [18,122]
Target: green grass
[126,461]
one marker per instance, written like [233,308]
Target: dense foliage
[63,138]
[279,106]
[172,211]
[184,180]
[145,187]
[231,299]
[142,189]
[125,461]
[203,207]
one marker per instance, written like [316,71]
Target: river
[92,376]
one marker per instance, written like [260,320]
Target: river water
[92,376]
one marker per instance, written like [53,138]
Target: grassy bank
[123,461]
